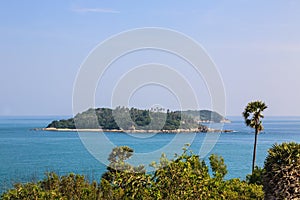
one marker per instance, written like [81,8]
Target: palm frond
[253,113]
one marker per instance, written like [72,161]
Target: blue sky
[255,45]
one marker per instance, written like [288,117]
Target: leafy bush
[55,187]
[256,176]
[184,177]
[124,180]
[281,179]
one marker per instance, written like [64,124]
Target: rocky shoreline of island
[209,130]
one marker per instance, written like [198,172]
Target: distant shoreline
[135,131]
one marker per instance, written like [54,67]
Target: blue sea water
[26,154]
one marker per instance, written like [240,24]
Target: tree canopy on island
[137,119]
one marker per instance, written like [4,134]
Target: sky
[255,46]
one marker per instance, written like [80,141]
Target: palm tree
[253,114]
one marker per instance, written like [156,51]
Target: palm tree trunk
[254,150]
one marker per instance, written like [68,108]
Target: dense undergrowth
[185,176]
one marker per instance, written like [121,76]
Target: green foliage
[256,176]
[180,178]
[187,177]
[54,187]
[120,154]
[118,166]
[204,115]
[62,124]
[127,119]
[281,179]
[241,190]
[253,114]
[184,177]
[122,180]
[218,166]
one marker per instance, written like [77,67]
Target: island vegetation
[122,118]
[205,116]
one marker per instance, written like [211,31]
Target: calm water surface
[26,154]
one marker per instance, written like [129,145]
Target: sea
[27,152]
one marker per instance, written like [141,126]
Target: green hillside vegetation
[130,119]
[204,115]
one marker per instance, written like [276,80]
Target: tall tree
[253,114]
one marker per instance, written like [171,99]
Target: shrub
[184,177]
[256,176]
[281,179]
[71,186]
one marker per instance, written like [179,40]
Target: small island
[133,120]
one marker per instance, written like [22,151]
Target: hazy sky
[254,44]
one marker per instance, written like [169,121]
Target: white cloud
[97,10]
